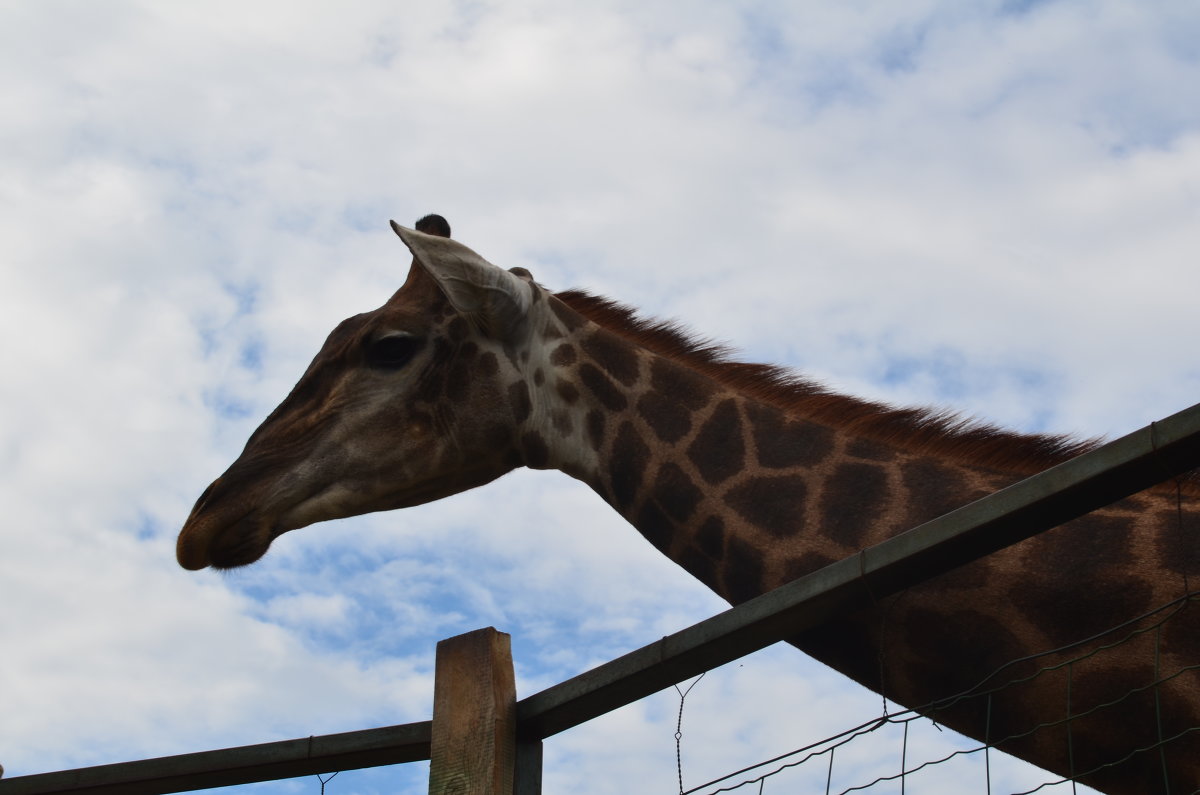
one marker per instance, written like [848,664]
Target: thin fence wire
[990,687]
[683,694]
[325,781]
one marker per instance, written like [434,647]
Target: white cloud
[992,206]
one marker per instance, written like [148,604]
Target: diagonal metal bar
[250,763]
[1155,453]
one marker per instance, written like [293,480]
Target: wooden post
[473,744]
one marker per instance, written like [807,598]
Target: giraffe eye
[392,352]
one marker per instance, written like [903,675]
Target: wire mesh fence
[912,770]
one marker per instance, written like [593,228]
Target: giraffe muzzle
[212,540]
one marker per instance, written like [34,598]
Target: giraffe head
[403,405]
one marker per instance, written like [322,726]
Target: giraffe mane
[920,430]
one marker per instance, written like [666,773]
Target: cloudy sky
[992,206]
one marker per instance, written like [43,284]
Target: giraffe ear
[493,297]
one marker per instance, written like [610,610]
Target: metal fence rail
[243,765]
[1158,452]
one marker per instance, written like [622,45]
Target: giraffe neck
[744,496]
[747,496]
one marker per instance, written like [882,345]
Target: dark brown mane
[920,430]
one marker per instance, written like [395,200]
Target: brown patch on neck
[940,433]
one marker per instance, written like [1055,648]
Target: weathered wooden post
[473,745]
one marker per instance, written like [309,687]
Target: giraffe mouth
[211,542]
[235,537]
[240,545]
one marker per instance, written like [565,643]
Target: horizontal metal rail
[245,765]
[1158,452]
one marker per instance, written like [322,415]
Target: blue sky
[988,206]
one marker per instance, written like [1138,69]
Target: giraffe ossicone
[748,477]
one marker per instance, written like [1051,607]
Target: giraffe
[748,477]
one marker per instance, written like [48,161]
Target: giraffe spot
[847,646]
[774,504]
[615,356]
[488,365]
[1134,504]
[457,330]
[497,436]
[564,355]
[518,400]
[675,493]
[1124,697]
[534,450]
[1093,687]
[458,379]
[1107,539]
[869,450]
[595,429]
[1176,541]
[567,391]
[433,379]
[743,571]
[569,317]
[933,489]
[933,631]
[699,565]
[795,568]
[551,332]
[679,384]
[655,526]
[718,450]
[971,576]
[852,502]
[1067,605]
[562,422]
[782,443]
[711,537]
[627,465]
[669,420]
[1091,542]
[603,388]
[539,377]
